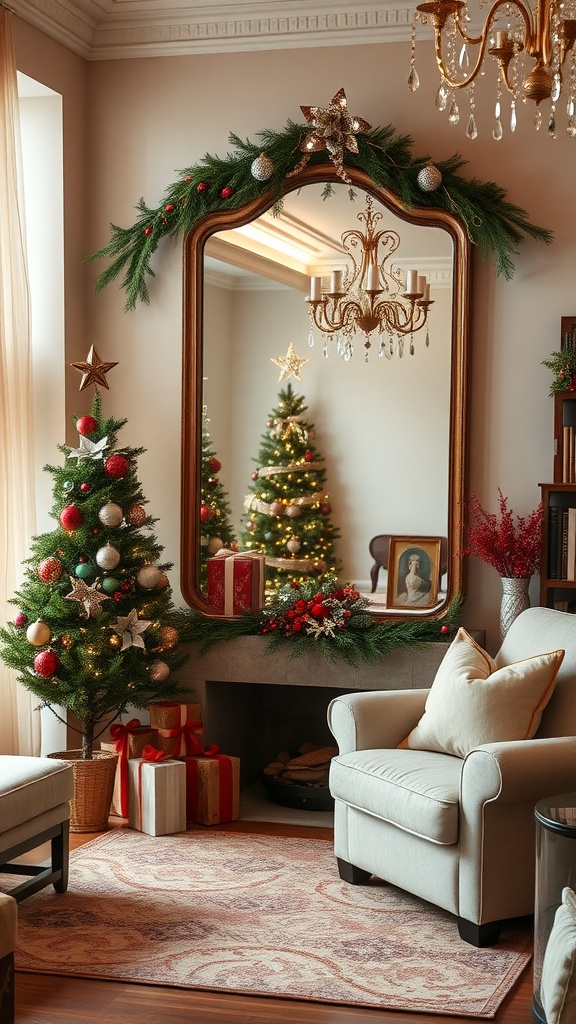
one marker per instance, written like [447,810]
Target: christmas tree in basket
[96,629]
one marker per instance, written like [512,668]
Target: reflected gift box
[236,581]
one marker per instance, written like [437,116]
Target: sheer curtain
[19,720]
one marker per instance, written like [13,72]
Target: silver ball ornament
[38,633]
[262,168]
[159,671]
[293,511]
[149,576]
[107,557]
[429,178]
[214,544]
[110,514]
[293,545]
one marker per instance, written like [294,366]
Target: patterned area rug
[261,915]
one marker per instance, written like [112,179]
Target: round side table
[555,869]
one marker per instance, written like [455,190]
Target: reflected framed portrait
[413,573]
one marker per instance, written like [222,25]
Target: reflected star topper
[290,364]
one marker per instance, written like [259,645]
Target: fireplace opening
[258,721]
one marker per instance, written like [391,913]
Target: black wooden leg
[7,988]
[350,873]
[479,934]
[61,856]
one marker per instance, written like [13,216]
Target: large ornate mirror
[391,430]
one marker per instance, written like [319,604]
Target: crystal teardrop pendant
[552,124]
[413,82]
[571,128]
[400,347]
[411,348]
[570,107]
[427,339]
[555,94]
[325,349]
[442,98]
[453,113]
[311,339]
[538,120]
[513,116]
[471,129]
[464,59]
[497,132]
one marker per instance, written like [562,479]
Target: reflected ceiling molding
[117,29]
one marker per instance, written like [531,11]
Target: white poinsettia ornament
[130,628]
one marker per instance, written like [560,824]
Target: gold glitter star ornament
[89,598]
[94,370]
[289,364]
[335,130]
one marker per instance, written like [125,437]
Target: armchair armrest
[375,719]
[520,770]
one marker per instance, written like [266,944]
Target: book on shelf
[568,455]
[570,545]
[554,542]
[561,543]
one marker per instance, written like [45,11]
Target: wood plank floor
[47,999]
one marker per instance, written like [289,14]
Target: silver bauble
[149,576]
[293,545]
[262,168]
[38,633]
[214,544]
[110,514]
[159,671]
[107,557]
[293,511]
[429,178]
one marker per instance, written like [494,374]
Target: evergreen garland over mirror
[493,224]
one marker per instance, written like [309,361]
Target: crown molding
[120,29]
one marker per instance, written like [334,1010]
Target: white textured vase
[514,600]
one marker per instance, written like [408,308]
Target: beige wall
[130,125]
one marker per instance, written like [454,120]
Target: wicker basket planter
[93,788]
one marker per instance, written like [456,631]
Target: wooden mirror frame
[192,370]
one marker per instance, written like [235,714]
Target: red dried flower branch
[512,548]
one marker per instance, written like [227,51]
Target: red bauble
[444,630]
[169,208]
[187,178]
[46,663]
[206,513]
[325,510]
[116,466]
[226,192]
[86,425]
[215,465]
[85,488]
[201,186]
[147,231]
[255,474]
[50,570]
[20,620]
[71,517]
[309,456]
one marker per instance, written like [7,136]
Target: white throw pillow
[558,982]
[471,701]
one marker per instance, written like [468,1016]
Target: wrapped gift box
[157,796]
[128,741]
[236,582]
[178,727]
[212,789]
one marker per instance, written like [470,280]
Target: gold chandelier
[512,32]
[369,296]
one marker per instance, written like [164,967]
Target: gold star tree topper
[94,370]
[334,130]
[290,364]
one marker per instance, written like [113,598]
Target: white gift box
[157,796]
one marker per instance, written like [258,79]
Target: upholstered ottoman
[34,808]
[8,918]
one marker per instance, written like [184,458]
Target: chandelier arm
[482,41]
[414,319]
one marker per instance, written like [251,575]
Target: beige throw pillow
[558,982]
[471,701]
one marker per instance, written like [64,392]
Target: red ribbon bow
[120,733]
[150,753]
[186,739]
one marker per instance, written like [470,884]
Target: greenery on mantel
[369,643]
[494,225]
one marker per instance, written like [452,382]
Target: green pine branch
[494,224]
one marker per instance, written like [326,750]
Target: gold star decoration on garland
[290,364]
[335,130]
[88,598]
[94,370]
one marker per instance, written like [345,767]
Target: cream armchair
[457,832]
